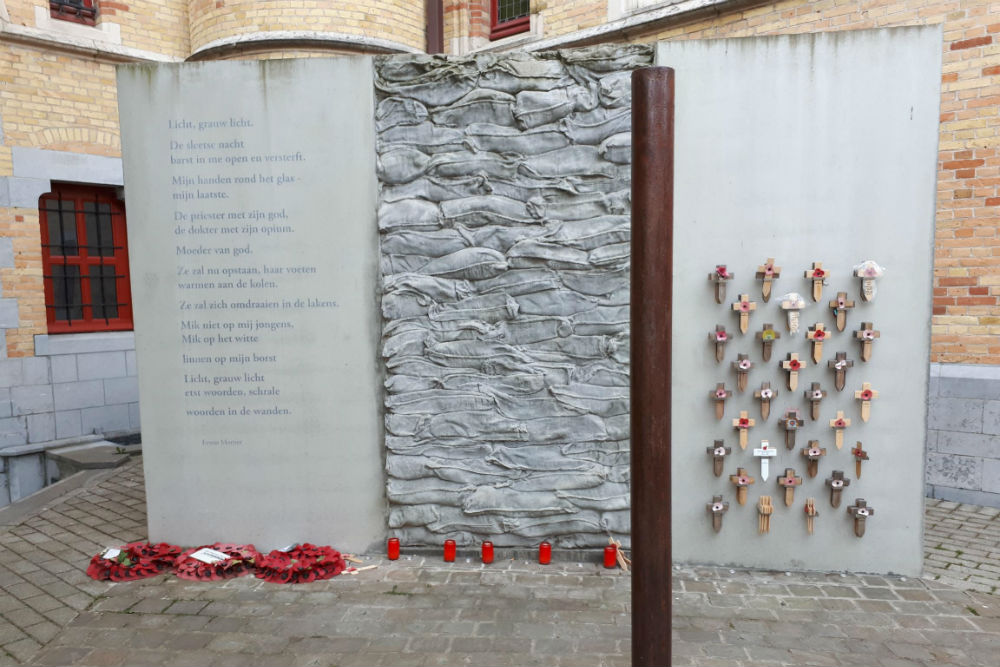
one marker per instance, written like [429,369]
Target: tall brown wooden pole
[652,284]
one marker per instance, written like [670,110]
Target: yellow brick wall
[394,20]
[563,17]
[24,280]
[966,321]
[55,101]
[160,26]
[22,12]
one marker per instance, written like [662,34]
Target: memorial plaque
[251,192]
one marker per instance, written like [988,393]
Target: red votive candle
[610,556]
[392,548]
[487,552]
[544,553]
[449,551]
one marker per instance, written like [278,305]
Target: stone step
[94,456]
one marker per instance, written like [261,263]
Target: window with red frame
[79,11]
[509,17]
[85,260]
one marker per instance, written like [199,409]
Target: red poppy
[721,271]
[819,273]
[866,395]
[819,334]
[744,423]
[794,365]
[840,423]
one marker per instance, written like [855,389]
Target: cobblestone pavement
[962,545]
[424,612]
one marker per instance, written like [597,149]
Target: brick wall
[966,325]
[54,101]
[401,22]
[160,26]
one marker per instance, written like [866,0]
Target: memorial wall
[390,296]
[251,196]
[504,221]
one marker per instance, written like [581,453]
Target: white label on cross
[764,452]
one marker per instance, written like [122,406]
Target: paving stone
[22,649]
[517,615]
[151,606]
[43,632]
[186,607]
[9,633]
[61,656]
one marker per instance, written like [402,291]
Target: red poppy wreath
[300,564]
[136,560]
[216,561]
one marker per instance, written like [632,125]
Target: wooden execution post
[651,320]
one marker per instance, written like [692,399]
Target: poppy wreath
[241,561]
[301,564]
[134,561]
[161,555]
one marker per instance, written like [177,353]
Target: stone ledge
[83,343]
[46,165]
[969,496]
[966,371]
[36,447]
[98,46]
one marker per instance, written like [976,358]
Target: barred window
[85,260]
[509,17]
[79,11]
